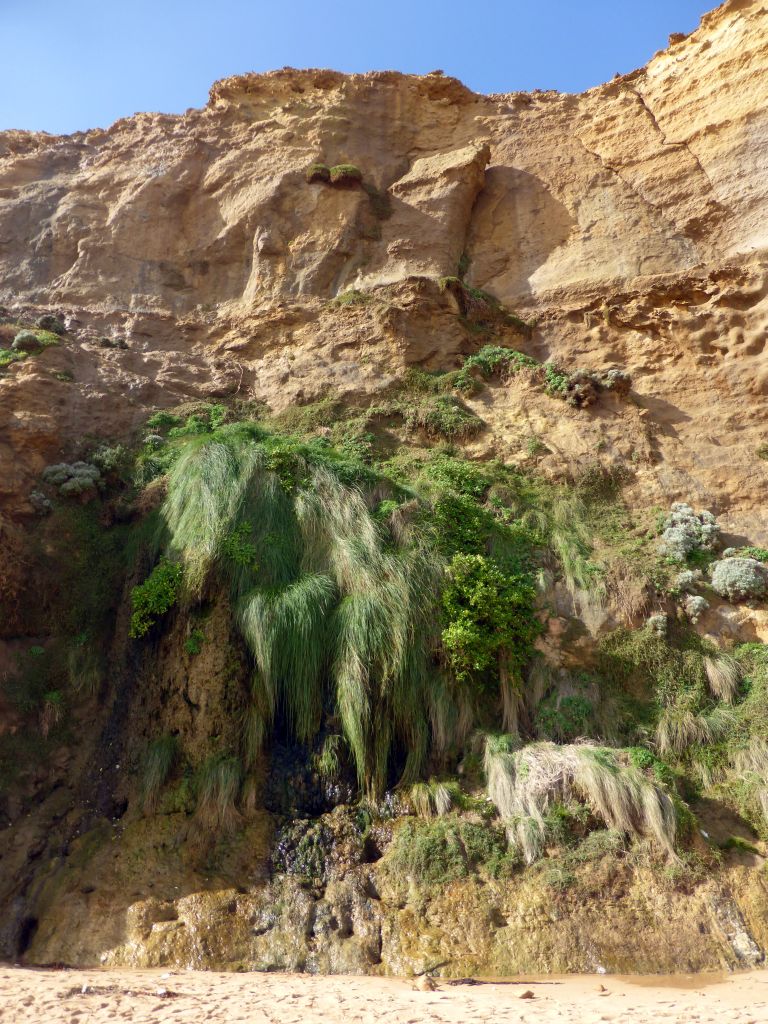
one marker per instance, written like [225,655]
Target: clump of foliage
[345,175]
[523,783]
[339,598]
[435,853]
[159,760]
[9,356]
[154,597]
[50,324]
[490,622]
[318,173]
[494,360]
[75,479]
[760,554]
[217,786]
[442,416]
[740,579]
[352,297]
[26,341]
[194,642]
[687,533]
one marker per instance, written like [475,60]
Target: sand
[155,997]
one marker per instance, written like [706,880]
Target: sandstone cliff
[190,259]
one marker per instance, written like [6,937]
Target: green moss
[739,844]
[353,298]
[317,173]
[345,175]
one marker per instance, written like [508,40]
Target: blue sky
[84,63]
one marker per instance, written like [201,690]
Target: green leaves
[488,612]
[155,596]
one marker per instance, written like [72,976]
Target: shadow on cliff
[517,223]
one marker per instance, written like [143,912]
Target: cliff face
[630,221]
[190,259]
[658,172]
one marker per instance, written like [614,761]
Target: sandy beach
[44,996]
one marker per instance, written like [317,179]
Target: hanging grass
[524,782]
[434,798]
[328,597]
[680,727]
[218,785]
[723,676]
[159,761]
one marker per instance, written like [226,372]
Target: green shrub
[163,420]
[353,298]
[51,324]
[345,175]
[555,381]
[194,642]
[564,718]
[9,355]
[760,554]
[489,614]
[434,853]
[441,416]
[493,359]
[318,172]
[461,525]
[155,596]
[26,341]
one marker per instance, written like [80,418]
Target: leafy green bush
[155,596]
[8,356]
[163,420]
[555,381]
[488,613]
[564,719]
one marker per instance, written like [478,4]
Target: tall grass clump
[680,727]
[159,761]
[723,676]
[331,601]
[524,782]
[218,785]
